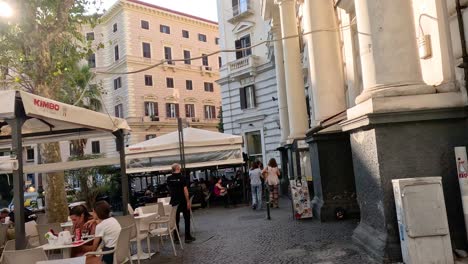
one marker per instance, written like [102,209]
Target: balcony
[240,11]
[206,70]
[243,67]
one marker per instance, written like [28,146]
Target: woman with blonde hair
[272,174]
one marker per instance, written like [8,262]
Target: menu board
[301,199]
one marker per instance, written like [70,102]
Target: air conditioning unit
[208,68]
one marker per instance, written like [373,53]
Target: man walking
[180,196]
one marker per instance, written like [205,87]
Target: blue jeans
[257,195]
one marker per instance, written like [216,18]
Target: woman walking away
[272,173]
[256,185]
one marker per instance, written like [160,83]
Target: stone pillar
[388,47]
[281,85]
[325,62]
[297,111]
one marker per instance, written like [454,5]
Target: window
[151,109]
[165,29]
[242,43]
[170,82]
[190,110]
[187,57]
[210,112]
[247,97]
[92,60]
[116,53]
[204,60]
[95,147]
[146,50]
[90,36]
[30,154]
[73,150]
[119,110]
[217,41]
[172,110]
[149,80]
[185,34]
[209,87]
[150,136]
[114,27]
[202,37]
[254,145]
[220,62]
[144,24]
[168,55]
[117,83]
[189,85]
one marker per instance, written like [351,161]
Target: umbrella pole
[180,129]
[123,169]
[18,180]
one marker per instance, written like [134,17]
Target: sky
[201,8]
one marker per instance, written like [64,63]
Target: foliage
[220,124]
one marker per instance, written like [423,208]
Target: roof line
[172,11]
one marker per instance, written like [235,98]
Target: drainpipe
[461,28]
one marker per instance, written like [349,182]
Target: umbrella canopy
[202,149]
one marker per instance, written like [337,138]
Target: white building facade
[248,79]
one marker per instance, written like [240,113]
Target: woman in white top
[107,230]
[255,175]
[272,173]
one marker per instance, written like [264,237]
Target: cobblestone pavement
[241,235]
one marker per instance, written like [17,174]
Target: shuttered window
[247,97]
[172,110]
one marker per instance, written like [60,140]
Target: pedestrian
[272,179]
[180,196]
[256,185]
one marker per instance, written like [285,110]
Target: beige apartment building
[138,35]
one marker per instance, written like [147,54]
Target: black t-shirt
[176,183]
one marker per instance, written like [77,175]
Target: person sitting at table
[221,192]
[4,214]
[80,216]
[107,232]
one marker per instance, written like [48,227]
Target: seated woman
[80,216]
[107,232]
[220,191]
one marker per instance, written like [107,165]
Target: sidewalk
[241,235]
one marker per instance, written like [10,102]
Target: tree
[220,124]
[42,50]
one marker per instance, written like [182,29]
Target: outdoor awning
[46,115]
[202,148]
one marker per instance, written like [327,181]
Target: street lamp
[5,9]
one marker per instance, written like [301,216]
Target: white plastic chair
[24,256]
[43,229]
[165,200]
[126,221]
[122,248]
[130,209]
[156,228]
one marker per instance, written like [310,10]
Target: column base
[333,177]
[395,90]
[388,146]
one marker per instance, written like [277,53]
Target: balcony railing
[242,9]
[243,66]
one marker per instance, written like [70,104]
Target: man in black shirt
[180,196]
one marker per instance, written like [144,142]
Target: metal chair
[122,248]
[24,256]
[43,229]
[170,227]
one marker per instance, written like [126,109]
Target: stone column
[297,111]
[281,85]
[325,62]
[388,47]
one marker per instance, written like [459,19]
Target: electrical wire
[165,61]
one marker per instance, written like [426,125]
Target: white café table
[138,219]
[78,260]
[66,249]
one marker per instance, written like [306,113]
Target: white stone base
[406,103]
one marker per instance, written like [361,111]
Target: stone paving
[241,235]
